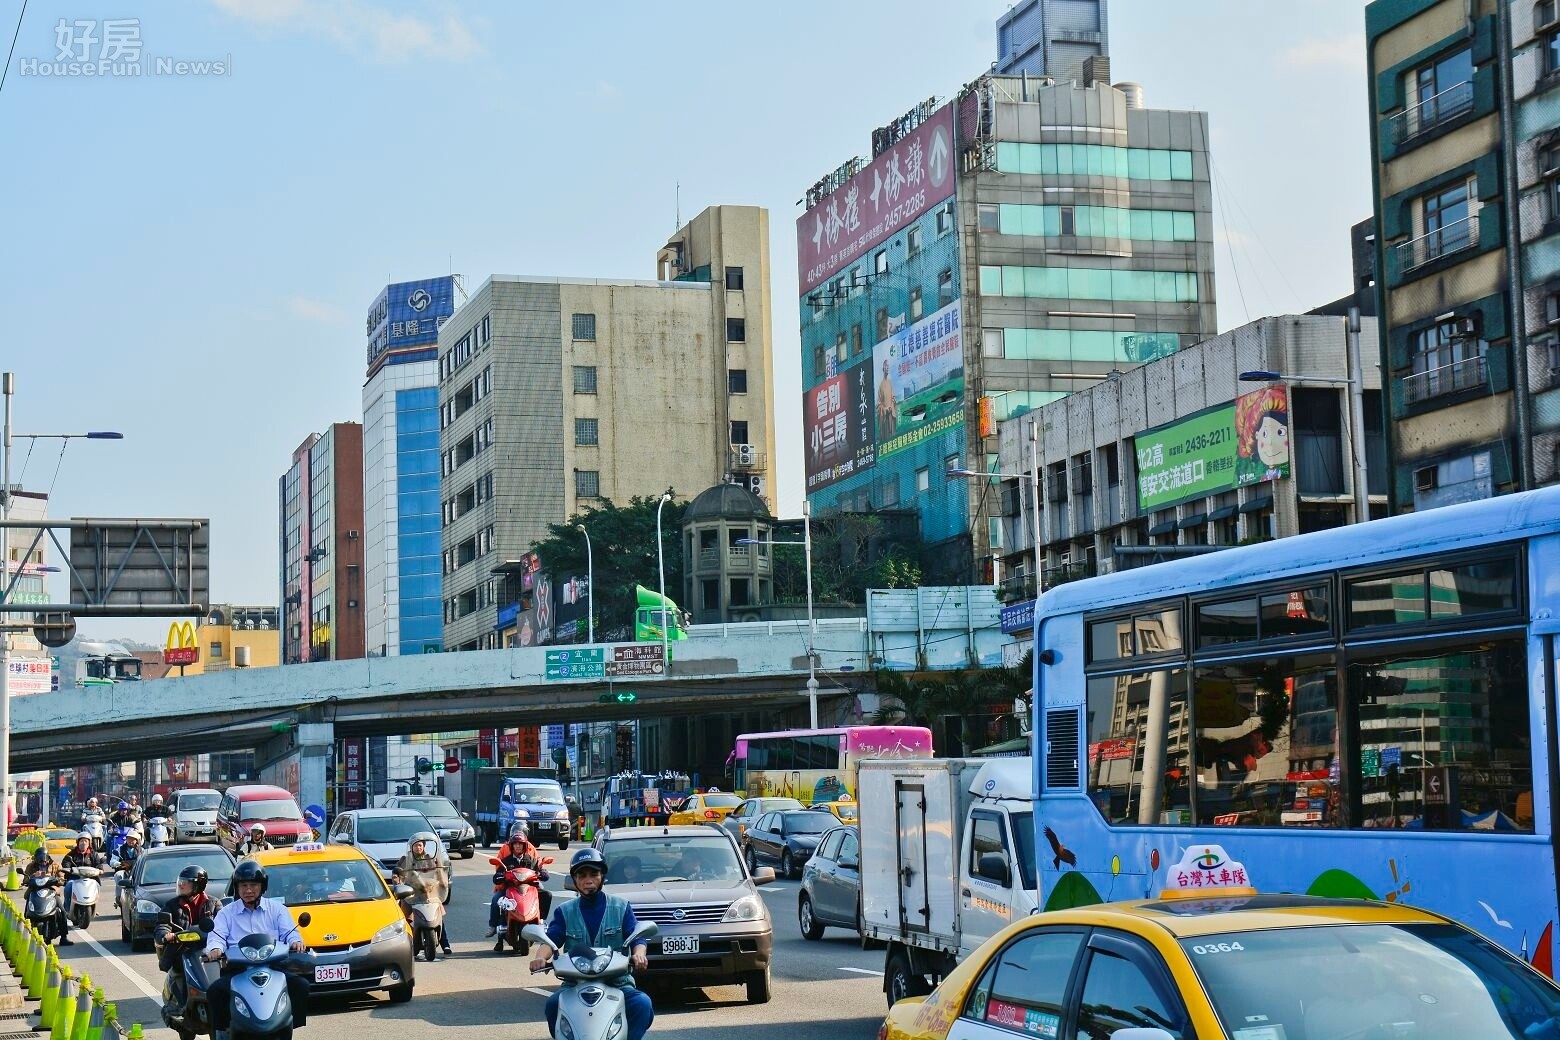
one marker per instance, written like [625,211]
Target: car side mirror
[993,866]
[763,875]
[850,864]
[402,891]
[304,919]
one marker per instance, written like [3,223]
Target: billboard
[841,427]
[888,193]
[1245,441]
[573,598]
[29,675]
[407,315]
[919,372]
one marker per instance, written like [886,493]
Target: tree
[624,553]
[975,697]
[852,552]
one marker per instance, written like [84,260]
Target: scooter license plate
[332,973]
[680,944]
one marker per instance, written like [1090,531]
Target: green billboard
[1243,442]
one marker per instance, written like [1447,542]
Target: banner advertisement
[840,426]
[1227,446]
[409,314]
[28,675]
[920,381]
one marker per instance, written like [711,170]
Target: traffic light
[424,765]
[560,757]
[617,698]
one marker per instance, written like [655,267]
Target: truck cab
[997,858]
[538,803]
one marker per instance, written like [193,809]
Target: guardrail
[68,1008]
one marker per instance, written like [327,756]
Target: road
[831,986]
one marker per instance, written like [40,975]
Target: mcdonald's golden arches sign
[181,648]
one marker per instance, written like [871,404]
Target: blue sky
[189,258]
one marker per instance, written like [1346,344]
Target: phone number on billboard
[1207,440]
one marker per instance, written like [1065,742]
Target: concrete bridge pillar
[316,741]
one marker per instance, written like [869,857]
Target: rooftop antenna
[677,197]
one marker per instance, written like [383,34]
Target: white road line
[539,991]
[863,971]
[124,969]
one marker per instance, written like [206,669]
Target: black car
[786,839]
[155,879]
[458,834]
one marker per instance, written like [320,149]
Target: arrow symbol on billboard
[817,231]
[938,160]
[877,186]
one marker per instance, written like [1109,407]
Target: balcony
[1430,113]
[1016,587]
[748,458]
[1466,374]
[1443,241]
[1062,573]
[738,558]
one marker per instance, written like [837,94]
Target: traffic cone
[135,1031]
[32,980]
[83,1015]
[51,997]
[96,1019]
[64,1008]
[110,1025]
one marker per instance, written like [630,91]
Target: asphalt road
[831,987]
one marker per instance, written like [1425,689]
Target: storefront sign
[839,416]
[1018,617]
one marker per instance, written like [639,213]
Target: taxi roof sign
[1206,870]
[308,846]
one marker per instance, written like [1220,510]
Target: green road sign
[618,698]
[582,663]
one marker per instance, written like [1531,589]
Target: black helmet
[588,858]
[196,876]
[41,857]
[250,870]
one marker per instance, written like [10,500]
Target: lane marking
[863,971]
[539,991]
[124,969]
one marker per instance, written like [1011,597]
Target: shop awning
[1257,504]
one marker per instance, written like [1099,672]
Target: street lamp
[812,622]
[660,566]
[1356,385]
[7,582]
[590,587]
[1033,476]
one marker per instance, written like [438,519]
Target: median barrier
[68,1008]
[64,1007]
[83,1013]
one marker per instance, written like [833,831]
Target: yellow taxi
[845,809]
[58,840]
[1231,964]
[356,932]
[705,807]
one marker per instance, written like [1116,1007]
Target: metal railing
[1459,375]
[1062,573]
[1444,240]
[1016,586]
[1431,112]
[746,456]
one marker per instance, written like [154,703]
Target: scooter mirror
[537,934]
[648,930]
[205,924]
[402,891]
[496,862]
[304,919]
[546,861]
[164,918]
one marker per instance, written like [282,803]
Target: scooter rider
[129,852]
[421,859]
[246,915]
[42,864]
[91,815]
[517,852]
[187,909]
[83,855]
[597,919]
[124,816]
[256,841]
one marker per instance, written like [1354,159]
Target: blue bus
[1362,712]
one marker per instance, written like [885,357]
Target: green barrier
[64,1007]
[50,997]
[95,1022]
[78,1028]
[110,1022]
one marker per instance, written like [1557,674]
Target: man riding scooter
[420,864]
[83,855]
[129,852]
[187,909]
[255,843]
[517,852]
[250,913]
[42,865]
[597,919]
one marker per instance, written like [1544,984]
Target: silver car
[195,816]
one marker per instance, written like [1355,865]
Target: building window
[711,589]
[1544,13]
[1066,215]
[890,489]
[945,219]
[734,278]
[585,431]
[916,308]
[944,288]
[1551,45]
[923,479]
[1447,357]
[991,343]
[880,261]
[882,325]
[913,241]
[839,349]
[1549,169]
[1447,227]
[216,651]
[857,282]
[820,364]
[739,592]
[739,431]
[736,330]
[585,326]
[736,381]
[587,483]
[584,379]
[1440,91]
[855,338]
[989,219]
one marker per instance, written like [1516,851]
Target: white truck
[947,861]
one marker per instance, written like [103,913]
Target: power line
[6,71]
[1234,267]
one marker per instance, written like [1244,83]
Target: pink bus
[819,765]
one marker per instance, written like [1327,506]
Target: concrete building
[30,668]
[1052,38]
[995,254]
[233,636]
[1463,128]
[724,580]
[558,393]
[402,594]
[1108,503]
[320,501]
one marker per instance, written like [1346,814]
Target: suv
[456,832]
[195,815]
[715,928]
[244,805]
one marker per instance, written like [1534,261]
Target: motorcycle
[184,1008]
[521,904]
[43,905]
[590,1007]
[424,914]
[83,888]
[158,833]
[116,841]
[93,823]
[261,1008]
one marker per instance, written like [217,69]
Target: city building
[233,636]
[728,564]
[995,253]
[29,669]
[559,393]
[403,600]
[1465,162]
[1183,456]
[321,547]
[1052,38]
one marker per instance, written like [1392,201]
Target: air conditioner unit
[1464,327]
[352,535]
[1426,478]
[745,454]
[756,485]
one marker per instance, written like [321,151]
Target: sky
[189,256]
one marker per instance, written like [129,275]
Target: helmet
[591,858]
[40,857]
[249,870]
[91,802]
[519,833]
[134,836]
[83,837]
[424,836]
[257,828]
[123,804]
[156,797]
[195,875]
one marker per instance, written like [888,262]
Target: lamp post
[1356,385]
[812,621]
[7,582]
[1033,476]
[660,566]
[590,586]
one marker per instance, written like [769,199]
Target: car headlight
[748,908]
[389,931]
[468,832]
[562,814]
[146,906]
[521,814]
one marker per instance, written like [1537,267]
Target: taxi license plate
[680,944]
[332,973]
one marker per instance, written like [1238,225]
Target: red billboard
[895,188]
[841,428]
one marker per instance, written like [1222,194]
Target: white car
[383,835]
[195,816]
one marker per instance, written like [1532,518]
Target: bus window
[1139,747]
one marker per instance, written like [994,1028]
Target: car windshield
[778,804]
[429,807]
[639,860]
[1024,835]
[384,830]
[164,870]
[264,810]
[1429,982]
[545,793]
[808,822]
[722,801]
[198,802]
[336,881]
[60,834]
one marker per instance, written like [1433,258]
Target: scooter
[184,1008]
[116,841]
[93,824]
[261,1008]
[521,905]
[424,913]
[43,905]
[83,888]
[590,1007]
[157,832]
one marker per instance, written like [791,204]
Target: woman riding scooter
[42,865]
[187,909]
[517,852]
[83,855]
[420,866]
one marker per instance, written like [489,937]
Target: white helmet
[257,828]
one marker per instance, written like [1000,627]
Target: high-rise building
[998,252]
[402,598]
[1466,166]
[556,394]
[1052,38]
[321,526]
